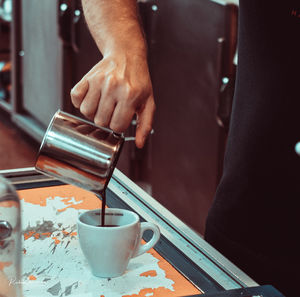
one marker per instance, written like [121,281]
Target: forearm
[114,25]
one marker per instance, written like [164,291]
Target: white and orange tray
[53,265]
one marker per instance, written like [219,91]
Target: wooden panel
[188,144]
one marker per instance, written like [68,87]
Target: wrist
[125,48]
[129,40]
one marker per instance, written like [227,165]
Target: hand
[115,89]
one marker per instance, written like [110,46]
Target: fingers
[108,112]
[122,117]
[104,112]
[107,102]
[145,119]
[78,92]
[90,102]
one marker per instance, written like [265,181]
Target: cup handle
[141,249]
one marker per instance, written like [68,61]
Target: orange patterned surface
[39,196]
[87,200]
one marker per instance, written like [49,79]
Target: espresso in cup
[108,248]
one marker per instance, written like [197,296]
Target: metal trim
[213,262]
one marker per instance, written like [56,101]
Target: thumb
[144,122]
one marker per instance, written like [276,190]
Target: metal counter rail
[186,250]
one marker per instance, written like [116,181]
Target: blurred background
[45,49]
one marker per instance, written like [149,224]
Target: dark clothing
[255,217]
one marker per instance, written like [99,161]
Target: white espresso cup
[108,249]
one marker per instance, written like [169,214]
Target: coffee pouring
[78,152]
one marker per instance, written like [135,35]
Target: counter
[181,264]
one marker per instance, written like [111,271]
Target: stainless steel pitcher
[10,240]
[78,152]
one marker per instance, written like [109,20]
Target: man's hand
[119,86]
[113,91]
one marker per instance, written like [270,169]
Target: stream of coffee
[102,216]
[102,194]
